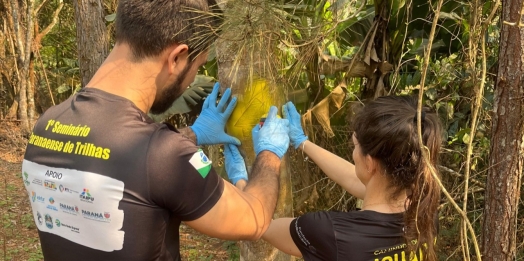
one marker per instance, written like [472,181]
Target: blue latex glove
[235,165]
[210,124]
[296,134]
[273,136]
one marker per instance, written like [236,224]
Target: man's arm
[244,214]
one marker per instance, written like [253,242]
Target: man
[107,183]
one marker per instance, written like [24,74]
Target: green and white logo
[27,183]
[201,163]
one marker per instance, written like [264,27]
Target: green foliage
[58,59]
[196,255]
[312,33]
[232,250]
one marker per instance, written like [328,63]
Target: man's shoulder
[166,141]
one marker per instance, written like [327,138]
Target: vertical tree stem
[424,149]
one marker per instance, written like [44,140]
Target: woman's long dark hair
[386,129]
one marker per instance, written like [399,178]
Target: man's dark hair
[150,26]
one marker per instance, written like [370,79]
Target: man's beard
[164,100]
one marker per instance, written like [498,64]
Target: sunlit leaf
[466,139]
[111,17]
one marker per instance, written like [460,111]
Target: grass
[18,234]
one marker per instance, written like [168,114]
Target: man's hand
[195,93]
[296,133]
[210,124]
[188,101]
[273,136]
[235,165]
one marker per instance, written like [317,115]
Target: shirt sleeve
[314,236]
[180,176]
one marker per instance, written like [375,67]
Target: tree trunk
[22,103]
[31,82]
[21,21]
[92,37]
[20,24]
[506,158]
[242,65]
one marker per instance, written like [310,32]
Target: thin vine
[424,149]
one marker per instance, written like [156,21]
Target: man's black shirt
[107,183]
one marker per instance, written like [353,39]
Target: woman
[400,196]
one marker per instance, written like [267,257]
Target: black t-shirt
[356,235]
[107,183]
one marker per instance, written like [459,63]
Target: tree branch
[456,174]
[474,116]
[12,45]
[37,10]
[50,25]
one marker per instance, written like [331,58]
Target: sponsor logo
[53,174]
[51,185]
[63,188]
[52,201]
[48,221]
[37,182]
[70,190]
[39,218]
[40,199]
[73,210]
[33,196]
[98,216]
[72,228]
[26,177]
[86,196]
[57,222]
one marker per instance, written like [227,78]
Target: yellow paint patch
[255,103]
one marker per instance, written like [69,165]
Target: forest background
[464,59]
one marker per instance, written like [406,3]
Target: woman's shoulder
[354,214]
[353,221]
[366,220]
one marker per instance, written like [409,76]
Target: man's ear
[178,58]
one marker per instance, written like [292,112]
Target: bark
[506,158]
[31,92]
[11,112]
[239,63]
[92,37]
[22,103]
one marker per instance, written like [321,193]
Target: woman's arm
[336,168]
[278,235]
